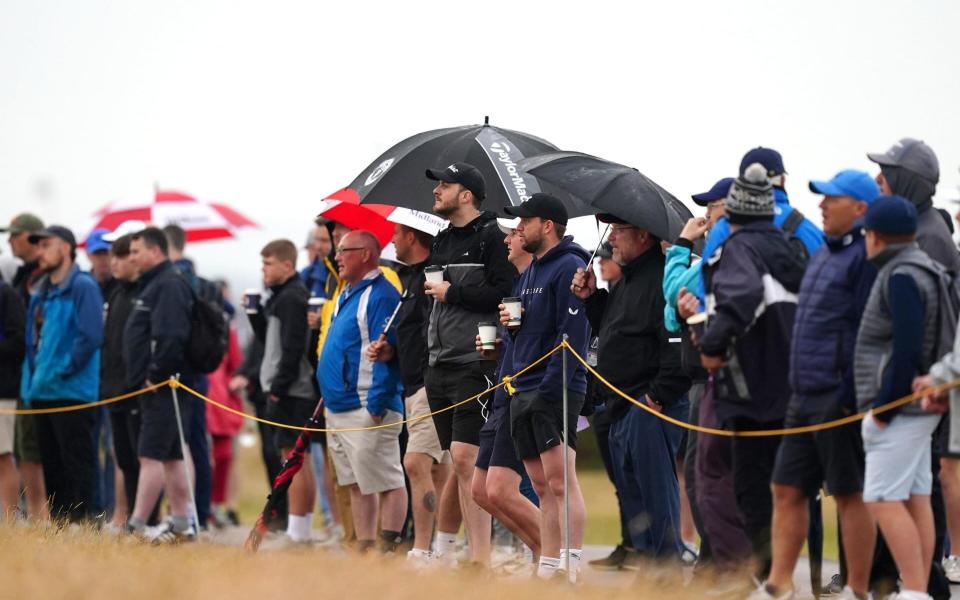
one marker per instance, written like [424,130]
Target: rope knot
[508,385]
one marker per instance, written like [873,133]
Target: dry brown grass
[44,563]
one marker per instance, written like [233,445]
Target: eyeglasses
[339,250]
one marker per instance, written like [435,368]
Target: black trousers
[753,460]
[126,431]
[69,459]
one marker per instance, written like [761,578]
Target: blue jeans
[644,452]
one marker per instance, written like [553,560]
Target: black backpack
[789,229]
[208,335]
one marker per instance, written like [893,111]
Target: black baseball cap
[463,173]
[57,231]
[540,205]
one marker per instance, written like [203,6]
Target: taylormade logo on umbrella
[379,171]
[504,157]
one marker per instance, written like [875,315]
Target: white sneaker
[762,593]
[847,594]
[420,560]
[445,560]
[951,566]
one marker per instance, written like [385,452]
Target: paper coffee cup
[251,301]
[488,335]
[514,307]
[697,322]
[434,274]
[315,303]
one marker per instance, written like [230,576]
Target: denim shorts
[898,457]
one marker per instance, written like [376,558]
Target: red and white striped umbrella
[344,207]
[201,220]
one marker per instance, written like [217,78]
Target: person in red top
[224,425]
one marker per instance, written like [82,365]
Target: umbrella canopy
[201,220]
[612,188]
[414,219]
[397,176]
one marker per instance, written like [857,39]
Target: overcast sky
[269,106]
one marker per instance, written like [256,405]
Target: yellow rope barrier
[83,406]
[767,432]
[508,383]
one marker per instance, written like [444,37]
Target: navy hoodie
[550,310]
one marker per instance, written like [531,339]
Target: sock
[136,524]
[856,595]
[446,543]
[548,566]
[418,553]
[571,563]
[913,595]
[300,527]
[389,540]
[180,524]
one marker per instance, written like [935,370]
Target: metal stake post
[566,468]
[184,449]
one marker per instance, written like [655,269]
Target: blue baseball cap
[768,157]
[892,215]
[95,241]
[853,183]
[719,191]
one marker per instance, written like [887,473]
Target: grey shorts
[898,457]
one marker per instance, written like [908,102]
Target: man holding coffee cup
[476,276]
[536,410]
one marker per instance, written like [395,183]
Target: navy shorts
[496,445]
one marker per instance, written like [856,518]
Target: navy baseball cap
[768,157]
[540,205]
[719,191]
[891,215]
[463,173]
[912,155]
[57,231]
[95,241]
[853,183]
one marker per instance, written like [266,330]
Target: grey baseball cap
[912,155]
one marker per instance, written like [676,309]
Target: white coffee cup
[315,303]
[434,274]
[488,335]
[514,307]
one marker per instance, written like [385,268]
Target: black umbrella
[397,177]
[612,188]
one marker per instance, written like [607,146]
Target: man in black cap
[638,355]
[550,310]
[476,277]
[62,369]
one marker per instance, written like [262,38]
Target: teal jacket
[64,333]
[680,271]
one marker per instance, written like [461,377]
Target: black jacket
[411,326]
[156,333]
[12,349]
[113,364]
[475,263]
[636,353]
[751,284]
[282,328]
[24,278]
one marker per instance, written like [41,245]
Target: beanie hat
[751,196]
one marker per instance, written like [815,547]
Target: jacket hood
[566,246]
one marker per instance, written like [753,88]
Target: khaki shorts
[423,433]
[370,459]
[6,426]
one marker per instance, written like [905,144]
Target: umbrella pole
[599,243]
[566,467]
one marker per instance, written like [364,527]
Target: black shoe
[613,562]
[833,588]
